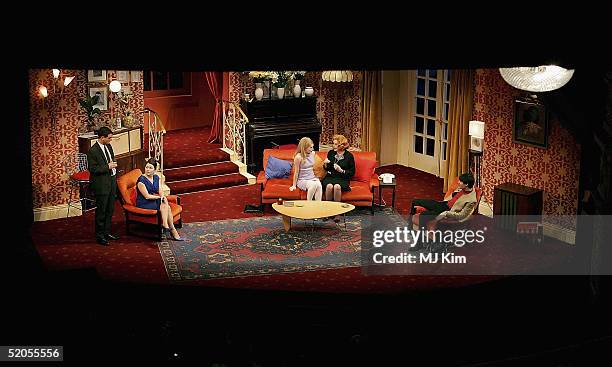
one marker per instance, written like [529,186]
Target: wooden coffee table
[310,209]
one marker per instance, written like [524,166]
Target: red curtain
[214,83]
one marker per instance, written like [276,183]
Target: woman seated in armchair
[150,196]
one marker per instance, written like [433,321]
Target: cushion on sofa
[364,169]
[318,169]
[277,168]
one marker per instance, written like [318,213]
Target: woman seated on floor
[303,176]
[150,196]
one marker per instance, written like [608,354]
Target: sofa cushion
[364,169]
[359,192]
[277,168]
[279,188]
[318,169]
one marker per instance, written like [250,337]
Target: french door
[428,133]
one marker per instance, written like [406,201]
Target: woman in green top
[340,167]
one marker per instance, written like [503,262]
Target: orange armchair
[127,190]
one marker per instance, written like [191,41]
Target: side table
[382,185]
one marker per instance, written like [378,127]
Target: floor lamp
[476,132]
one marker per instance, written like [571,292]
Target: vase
[280,92]
[297,90]
[258,91]
[267,90]
[309,91]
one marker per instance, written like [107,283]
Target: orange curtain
[460,114]
[371,111]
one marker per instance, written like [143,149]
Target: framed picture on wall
[123,76]
[136,76]
[96,75]
[102,93]
[530,123]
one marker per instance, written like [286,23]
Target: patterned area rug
[260,246]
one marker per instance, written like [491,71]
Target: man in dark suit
[103,182]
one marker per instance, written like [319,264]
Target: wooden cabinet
[128,146]
[512,200]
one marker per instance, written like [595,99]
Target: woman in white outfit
[303,176]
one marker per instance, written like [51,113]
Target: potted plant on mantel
[88,105]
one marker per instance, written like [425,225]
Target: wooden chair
[127,189]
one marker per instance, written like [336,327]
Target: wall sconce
[537,79]
[121,97]
[60,83]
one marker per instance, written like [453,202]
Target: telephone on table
[387,177]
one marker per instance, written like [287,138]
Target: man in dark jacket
[103,182]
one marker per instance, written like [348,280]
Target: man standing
[103,182]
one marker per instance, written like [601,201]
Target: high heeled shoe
[175,239]
[166,232]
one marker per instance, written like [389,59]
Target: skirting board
[55,212]
[550,230]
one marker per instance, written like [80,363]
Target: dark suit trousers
[433,209]
[105,205]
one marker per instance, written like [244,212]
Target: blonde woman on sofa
[303,175]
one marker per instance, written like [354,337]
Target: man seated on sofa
[459,207]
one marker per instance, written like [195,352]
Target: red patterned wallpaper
[54,126]
[338,104]
[555,169]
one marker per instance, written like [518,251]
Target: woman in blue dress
[150,196]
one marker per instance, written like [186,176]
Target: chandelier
[337,76]
[537,79]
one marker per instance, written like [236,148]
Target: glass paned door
[429,121]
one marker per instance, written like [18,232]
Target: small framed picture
[136,76]
[530,123]
[123,76]
[96,75]
[102,93]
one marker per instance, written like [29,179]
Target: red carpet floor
[69,244]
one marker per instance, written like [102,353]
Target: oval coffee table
[310,209]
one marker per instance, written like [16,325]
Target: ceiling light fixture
[537,79]
[337,76]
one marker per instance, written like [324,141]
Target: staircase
[213,169]
[190,164]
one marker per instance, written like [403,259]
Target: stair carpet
[209,172]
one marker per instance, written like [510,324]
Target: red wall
[182,112]
[554,169]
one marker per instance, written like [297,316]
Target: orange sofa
[361,194]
